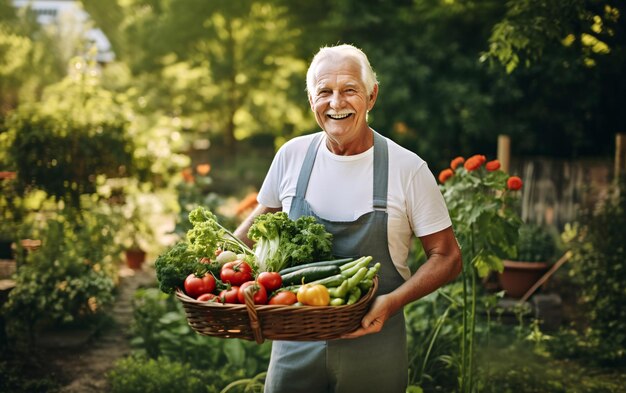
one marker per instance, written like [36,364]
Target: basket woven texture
[274,322]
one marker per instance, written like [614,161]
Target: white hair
[368,76]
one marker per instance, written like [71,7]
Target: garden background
[101,153]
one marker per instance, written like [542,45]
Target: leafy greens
[202,241]
[282,242]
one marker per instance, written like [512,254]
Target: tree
[226,68]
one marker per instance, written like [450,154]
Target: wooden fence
[555,190]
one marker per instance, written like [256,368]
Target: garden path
[84,368]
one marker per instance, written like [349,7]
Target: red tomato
[286,298]
[207,297]
[260,293]
[229,295]
[236,272]
[196,286]
[270,280]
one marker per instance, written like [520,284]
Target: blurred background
[119,117]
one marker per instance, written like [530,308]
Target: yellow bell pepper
[313,295]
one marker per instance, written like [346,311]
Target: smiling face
[340,102]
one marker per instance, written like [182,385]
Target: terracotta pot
[518,276]
[135,258]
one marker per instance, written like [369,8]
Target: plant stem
[472,332]
[438,327]
[464,331]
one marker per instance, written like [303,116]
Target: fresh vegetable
[361,262]
[357,278]
[196,286]
[340,291]
[366,284]
[199,253]
[285,298]
[225,256]
[372,271]
[230,295]
[337,301]
[208,236]
[175,264]
[354,295]
[330,281]
[236,272]
[282,242]
[208,297]
[260,293]
[336,262]
[313,295]
[270,280]
[309,274]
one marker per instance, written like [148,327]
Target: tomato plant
[236,272]
[286,298]
[270,280]
[196,286]
[260,293]
[229,295]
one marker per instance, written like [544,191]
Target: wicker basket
[250,322]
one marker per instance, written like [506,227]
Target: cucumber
[331,281]
[309,274]
[332,262]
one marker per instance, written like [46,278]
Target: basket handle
[255,324]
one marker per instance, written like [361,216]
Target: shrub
[535,243]
[598,266]
[160,329]
[69,279]
[143,375]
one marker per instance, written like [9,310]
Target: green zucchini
[309,274]
[332,262]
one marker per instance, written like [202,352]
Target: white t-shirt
[341,187]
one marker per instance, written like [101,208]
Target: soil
[82,362]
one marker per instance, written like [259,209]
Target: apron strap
[381,172]
[381,168]
[307,166]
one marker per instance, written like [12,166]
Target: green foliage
[160,329]
[518,369]
[598,244]
[484,215]
[11,209]
[69,280]
[30,376]
[433,327]
[145,375]
[535,243]
[63,157]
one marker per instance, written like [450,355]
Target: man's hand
[382,308]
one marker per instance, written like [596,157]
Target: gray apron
[374,363]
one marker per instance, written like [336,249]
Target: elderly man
[373,196]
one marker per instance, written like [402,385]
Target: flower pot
[135,259]
[518,276]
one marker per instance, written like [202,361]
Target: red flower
[492,165]
[474,162]
[456,162]
[445,175]
[514,183]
